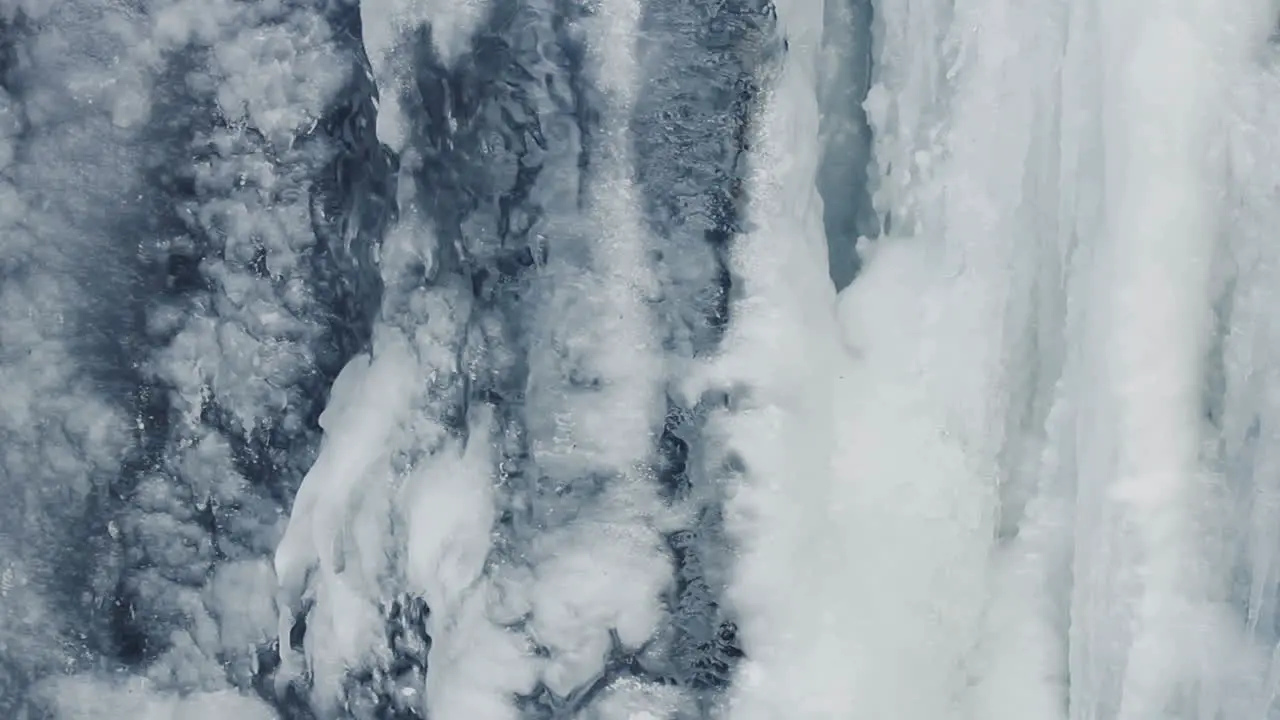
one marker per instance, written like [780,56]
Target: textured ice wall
[190,288]
[1061,171]
[520,469]
[538,295]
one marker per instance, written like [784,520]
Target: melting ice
[639,359]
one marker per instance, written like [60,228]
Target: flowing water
[639,359]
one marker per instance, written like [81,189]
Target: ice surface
[1119,510]
[1143,491]
[592,406]
[159,340]
[494,360]
[844,77]
[84,699]
[1245,409]
[777,362]
[389,27]
[64,432]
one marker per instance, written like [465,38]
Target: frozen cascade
[643,359]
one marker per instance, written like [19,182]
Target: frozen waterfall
[640,360]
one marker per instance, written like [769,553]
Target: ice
[955,300]
[366,403]
[149,536]
[87,699]
[639,359]
[777,361]
[844,77]
[484,665]
[389,27]
[594,576]
[65,433]
[1119,511]
[1149,621]
[282,79]
[1143,483]
[366,525]
[240,336]
[1248,368]
[969,492]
